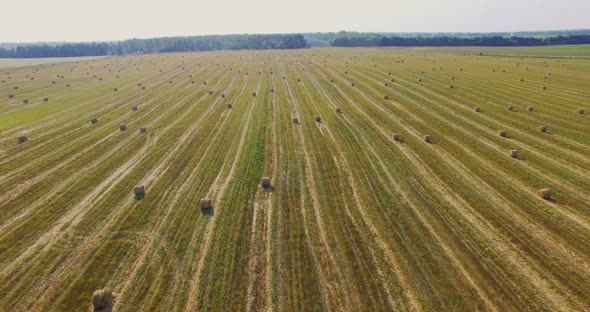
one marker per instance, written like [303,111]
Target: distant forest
[291,41]
[156,45]
[376,40]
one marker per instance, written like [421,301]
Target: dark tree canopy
[375,40]
[155,45]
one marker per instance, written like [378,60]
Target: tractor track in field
[216,194]
[532,274]
[71,142]
[83,254]
[259,264]
[366,219]
[65,183]
[66,269]
[452,200]
[321,261]
[556,180]
[153,236]
[354,220]
[342,298]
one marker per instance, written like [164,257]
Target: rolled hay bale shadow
[266,185]
[102,300]
[139,192]
[206,207]
[545,193]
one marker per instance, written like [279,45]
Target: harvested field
[312,193]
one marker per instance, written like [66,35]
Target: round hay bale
[67,85]
[222,95]
[93,120]
[298,80]
[521,79]
[206,203]
[544,88]
[210,92]
[419,79]
[204,83]
[10,96]
[396,137]
[254,94]
[581,111]
[25,101]
[451,87]
[272,90]
[134,108]
[122,127]
[543,128]
[386,97]
[346,73]
[229,106]
[139,190]
[544,193]
[510,108]
[102,299]
[386,84]
[530,108]
[296,120]
[265,181]
[452,77]
[143,130]
[502,133]
[22,139]
[115,89]
[318,119]
[352,84]
[142,88]
[427,139]
[514,153]
[338,110]
[476,109]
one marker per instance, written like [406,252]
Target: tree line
[375,40]
[156,45]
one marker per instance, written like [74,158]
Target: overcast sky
[97,20]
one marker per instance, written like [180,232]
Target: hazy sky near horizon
[83,20]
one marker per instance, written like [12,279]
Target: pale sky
[102,20]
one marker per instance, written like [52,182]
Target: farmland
[353,220]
